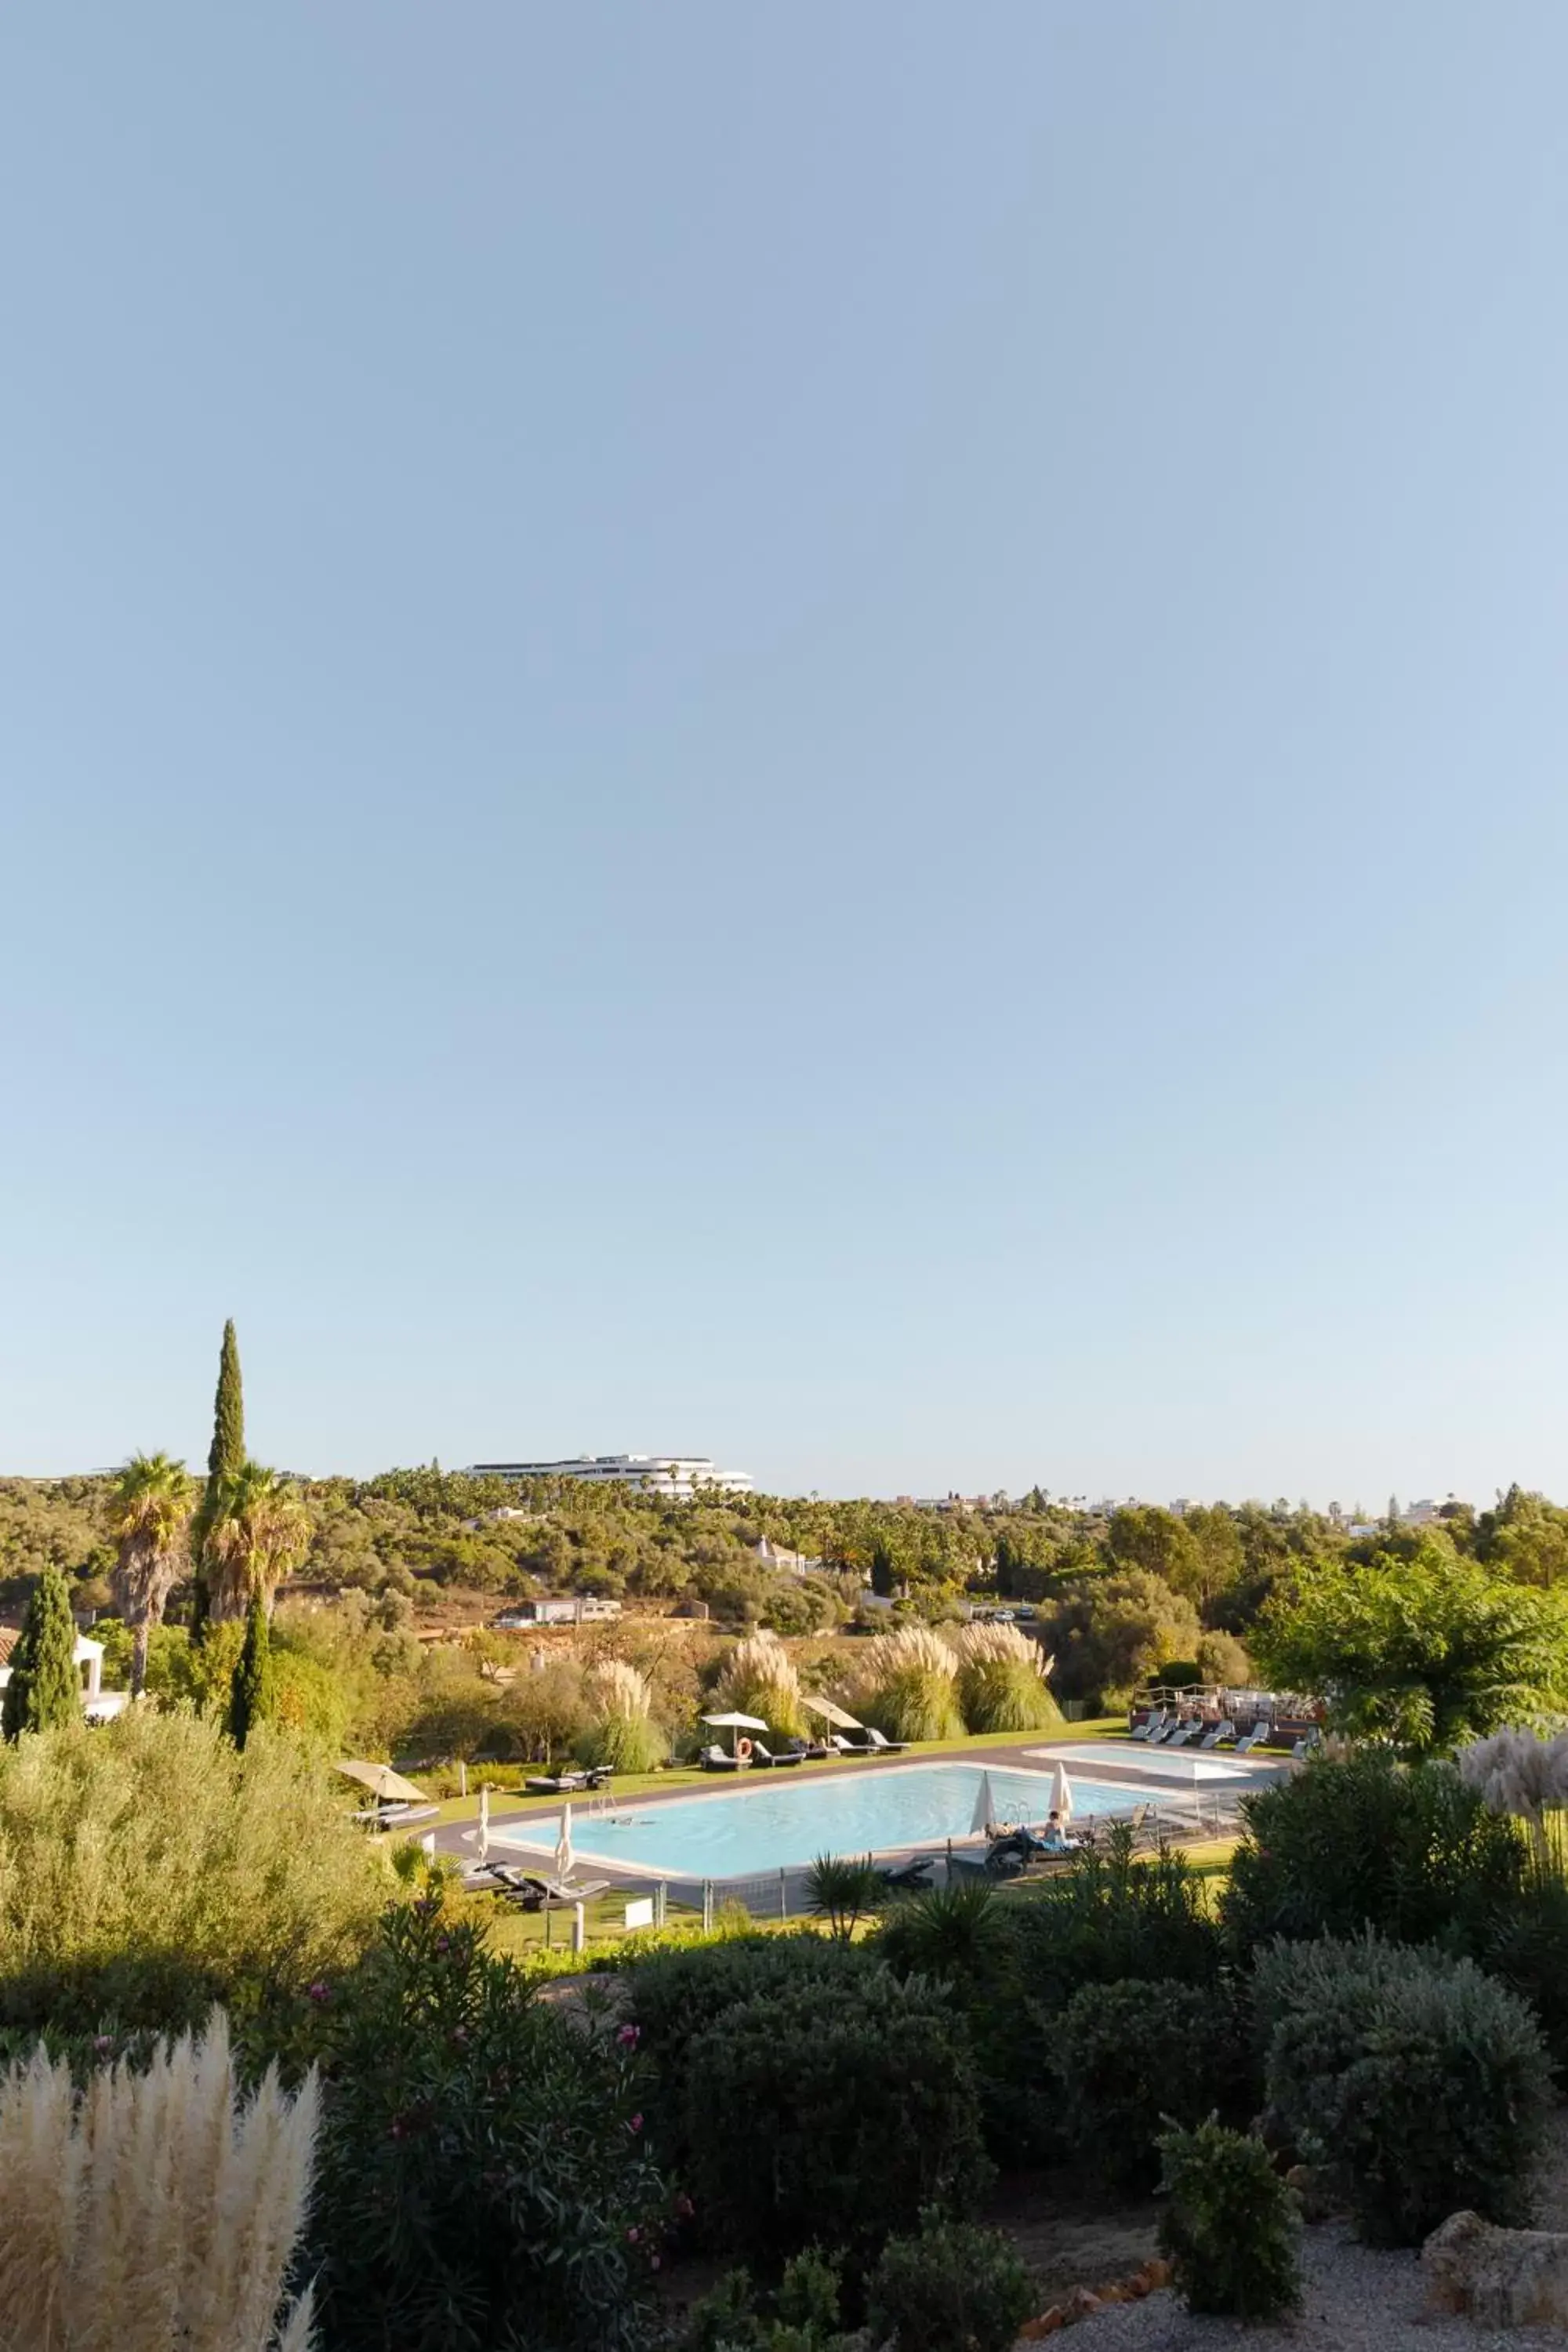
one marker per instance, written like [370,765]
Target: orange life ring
[743,1751]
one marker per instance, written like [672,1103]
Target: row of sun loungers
[1191,1731]
[719,1759]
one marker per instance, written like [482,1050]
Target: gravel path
[1353,2299]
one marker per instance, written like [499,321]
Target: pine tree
[44,1692]
[252,1698]
[226,1458]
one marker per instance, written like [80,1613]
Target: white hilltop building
[97,1705]
[677,1476]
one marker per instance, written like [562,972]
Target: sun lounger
[1151,1728]
[842,1747]
[760,1755]
[715,1760]
[1305,1745]
[1216,1734]
[911,1878]
[878,1744]
[558,1890]
[1259,1731]
[568,1784]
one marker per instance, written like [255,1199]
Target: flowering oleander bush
[485,2182]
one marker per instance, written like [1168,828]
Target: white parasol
[985,1807]
[830,1712]
[1062,1793]
[484,1820]
[737,1724]
[387,1787]
[564,1854]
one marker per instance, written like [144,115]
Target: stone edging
[1084,2301]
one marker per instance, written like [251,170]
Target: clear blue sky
[830,734]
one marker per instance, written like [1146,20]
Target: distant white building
[565,1609]
[793,1563]
[97,1704]
[679,1475]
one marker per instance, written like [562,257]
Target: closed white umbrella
[985,1807]
[1061,1794]
[564,1854]
[484,1820]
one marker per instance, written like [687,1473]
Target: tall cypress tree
[227,1449]
[44,1692]
[252,1696]
[226,1458]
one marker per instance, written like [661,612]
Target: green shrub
[1526,1945]
[1422,2079]
[839,1888]
[914,1704]
[677,1994]
[1407,1851]
[1230,2229]
[802,2317]
[852,2102]
[953,2288]
[1113,1916]
[147,1869]
[482,2177]
[627,1743]
[1126,2055]
[958,1933]
[964,1937]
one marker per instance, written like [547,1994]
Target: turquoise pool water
[777,1820]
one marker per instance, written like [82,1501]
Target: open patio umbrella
[1062,1793]
[735,1723]
[387,1787]
[985,1807]
[830,1713]
[564,1856]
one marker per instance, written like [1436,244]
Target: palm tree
[149,1518]
[260,1531]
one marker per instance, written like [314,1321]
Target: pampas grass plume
[156,2212]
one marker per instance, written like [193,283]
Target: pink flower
[632,2237]
[627,2037]
[320,1991]
[102,2043]
[636,2124]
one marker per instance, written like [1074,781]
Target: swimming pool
[778,1819]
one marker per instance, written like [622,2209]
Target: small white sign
[640,1914]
